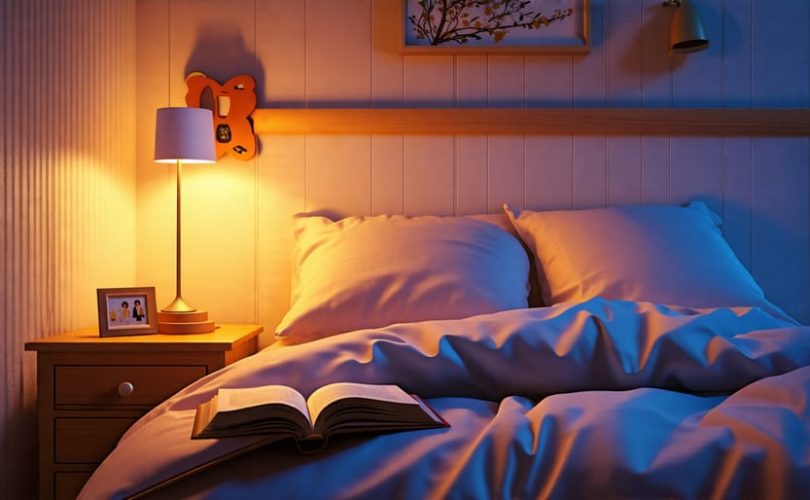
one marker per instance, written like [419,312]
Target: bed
[619,352]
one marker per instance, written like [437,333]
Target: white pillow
[663,254]
[368,272]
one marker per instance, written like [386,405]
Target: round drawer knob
[126,389]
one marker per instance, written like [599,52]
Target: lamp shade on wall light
[183,135]
[686,33]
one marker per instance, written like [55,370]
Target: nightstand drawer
[99,385]
[87,440]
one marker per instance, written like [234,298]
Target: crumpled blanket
[601,399]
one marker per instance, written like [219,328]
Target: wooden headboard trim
[516,121]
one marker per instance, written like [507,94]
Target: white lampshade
[185,134]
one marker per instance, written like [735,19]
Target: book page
[328,394]
[238,399]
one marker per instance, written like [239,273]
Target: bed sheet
[598,399]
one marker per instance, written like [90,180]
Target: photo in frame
[126,311]
[495,26]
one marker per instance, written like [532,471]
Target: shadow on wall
[221,53]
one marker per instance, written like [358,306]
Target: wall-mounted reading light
[686,33]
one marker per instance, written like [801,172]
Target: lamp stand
[179,316]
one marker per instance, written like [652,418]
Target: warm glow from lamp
[183,135]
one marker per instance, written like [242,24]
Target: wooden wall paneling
[386,91]
[737,200]
[428,168]
[338,69]
[656,92]
[624,178]
[589,82]
[655,170]
[697,79]
[624,48]
[506,164]
[548,81]
[471,156]
[386,174]
[219,201]
[780,222]
[737,43]
[281,163]
[155,186]
[780,53]
[590,172]
[590,90]
[68,181]
[429,175]
[656,59]
[338,175]
[505,88]
[281,185]
[280,54]
[624,59]
[779,257]
[549,173]
[338,53]
[548,161]
[697,171]
[737,92]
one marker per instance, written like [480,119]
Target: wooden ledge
[518,121]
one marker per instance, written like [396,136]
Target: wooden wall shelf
[516,121]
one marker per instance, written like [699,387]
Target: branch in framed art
[126,311]
[495,26]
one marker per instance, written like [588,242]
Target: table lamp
[183,135]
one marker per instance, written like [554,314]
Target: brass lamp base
[176,320]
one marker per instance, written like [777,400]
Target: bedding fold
[613,390]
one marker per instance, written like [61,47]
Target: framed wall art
[495,26]
[126,311]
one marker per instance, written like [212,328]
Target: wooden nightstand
[91,389]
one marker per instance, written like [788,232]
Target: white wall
[67,102]
[343,53]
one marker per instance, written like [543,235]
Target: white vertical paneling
[589,172]
[548,161]
[779,59]
[211,219]
[780,220]
[590,72]
[323,53]
[656,91]
[549,173]
[338,70]
[428,183]
[386,91]
[624,90]
[737,191]
[737,173]
[428,162]
[779,254]
[471,157]
[155,183]
[698,81]
[338,175]
[67,106]
[505,165]
[624,179]
[281,163]
[697,171]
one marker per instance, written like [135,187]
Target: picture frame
[127,311]
[567,35]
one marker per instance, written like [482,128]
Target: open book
[336,408]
